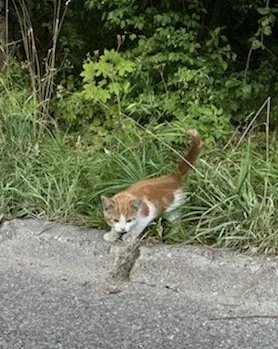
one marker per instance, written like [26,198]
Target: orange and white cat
[129,212]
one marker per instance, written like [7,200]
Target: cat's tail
[196,144]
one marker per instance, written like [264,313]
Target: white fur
[171,213]
[123,226]
[141,222]
[111,236]
[135,228]
[119,228]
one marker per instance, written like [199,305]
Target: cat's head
[121,213]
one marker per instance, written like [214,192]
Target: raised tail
[196,143]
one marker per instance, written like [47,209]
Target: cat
[130,211]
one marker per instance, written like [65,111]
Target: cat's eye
[115,220]
[129,220]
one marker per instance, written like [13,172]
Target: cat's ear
[136,204]
[106,202]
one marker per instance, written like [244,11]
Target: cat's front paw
[127,237]
[111,236]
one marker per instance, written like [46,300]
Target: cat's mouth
[121,234]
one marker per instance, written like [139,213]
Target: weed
[231,197]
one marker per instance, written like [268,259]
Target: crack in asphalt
[125,261]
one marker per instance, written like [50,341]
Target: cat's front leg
[135,231]
[111,236]
[131,235]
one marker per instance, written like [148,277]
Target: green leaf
[224,65]
[263,10]
[256,44]
[232,83]
[265,21]
[267,30]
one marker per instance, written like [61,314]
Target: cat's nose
[122,230]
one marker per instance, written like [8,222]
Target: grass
[231,199]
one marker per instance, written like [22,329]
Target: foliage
[111,70]
[141,87]
[204,63]
[231,198]
[168,70]
[121,81]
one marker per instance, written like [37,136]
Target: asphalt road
[64,287]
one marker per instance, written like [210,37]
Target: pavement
[63,286]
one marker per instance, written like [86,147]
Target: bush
[170,72]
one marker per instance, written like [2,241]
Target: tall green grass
[231,199]
[232,205]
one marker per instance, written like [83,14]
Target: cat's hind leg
[173,215]
[173,211]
